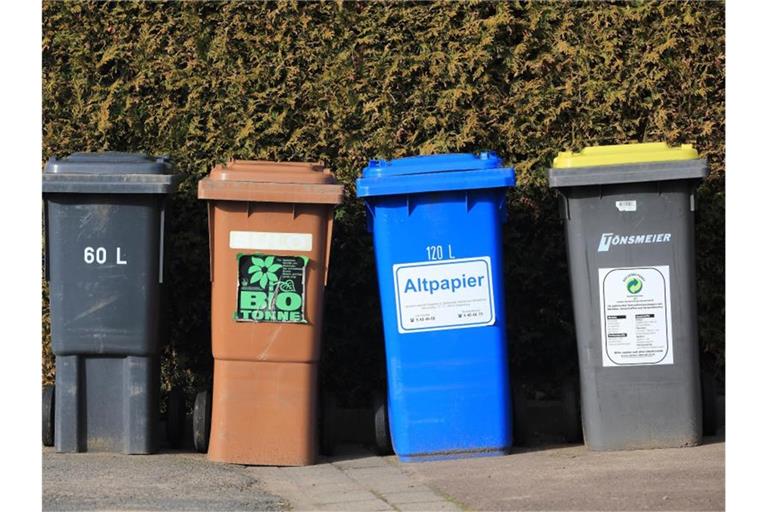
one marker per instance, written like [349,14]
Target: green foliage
[345,82]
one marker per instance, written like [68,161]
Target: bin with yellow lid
[629,224]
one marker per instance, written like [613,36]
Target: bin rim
[110,184]
[628,173]
[271,182]
[109,172]
[434,173]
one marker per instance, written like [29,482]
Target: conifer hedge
[346,82]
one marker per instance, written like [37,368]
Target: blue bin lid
[109,172]
[434,173]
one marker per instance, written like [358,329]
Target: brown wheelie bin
[270,235]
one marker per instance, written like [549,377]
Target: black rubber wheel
[520,427]
[381,425]
[177,413]
[49,405]
[572,430]
[327,418]
[201,421]
[709,402]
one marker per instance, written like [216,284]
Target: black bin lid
[109,172]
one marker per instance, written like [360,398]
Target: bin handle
[46,251]
[328,240]
[210,243]
[564,206]
[503,206]
[163,202]
[369,215]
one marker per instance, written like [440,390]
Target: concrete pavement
[547,477]
[165,481]
[555,477]
[571,477]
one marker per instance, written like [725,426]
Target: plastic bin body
[448,385]
[105,216]
[630,241]
[265,372]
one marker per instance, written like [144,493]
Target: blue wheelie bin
[436,223]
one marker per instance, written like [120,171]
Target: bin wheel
[49,404]
[201,421]
[381,425]
[520,427]
[328,408]
[572,429]
[709,402]
[175,418]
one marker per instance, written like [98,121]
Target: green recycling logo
[263,271]
[634,285]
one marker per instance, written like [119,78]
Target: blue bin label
[440,295]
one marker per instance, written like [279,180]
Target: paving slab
[354,480]
[430,506]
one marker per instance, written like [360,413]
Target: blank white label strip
[270,241]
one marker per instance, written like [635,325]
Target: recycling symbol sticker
[634,284]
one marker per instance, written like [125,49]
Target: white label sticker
[439,295]
[626,206]
[635,316]
[270,241]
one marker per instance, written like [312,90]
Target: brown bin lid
[271,182]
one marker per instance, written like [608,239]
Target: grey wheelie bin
[104,217]
[628,212]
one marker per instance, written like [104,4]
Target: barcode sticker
[626,206]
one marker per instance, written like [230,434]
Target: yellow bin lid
[624,154]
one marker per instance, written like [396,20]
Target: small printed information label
[438,295]
[635,316]
[626,206]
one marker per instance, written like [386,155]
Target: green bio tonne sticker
[270,288]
